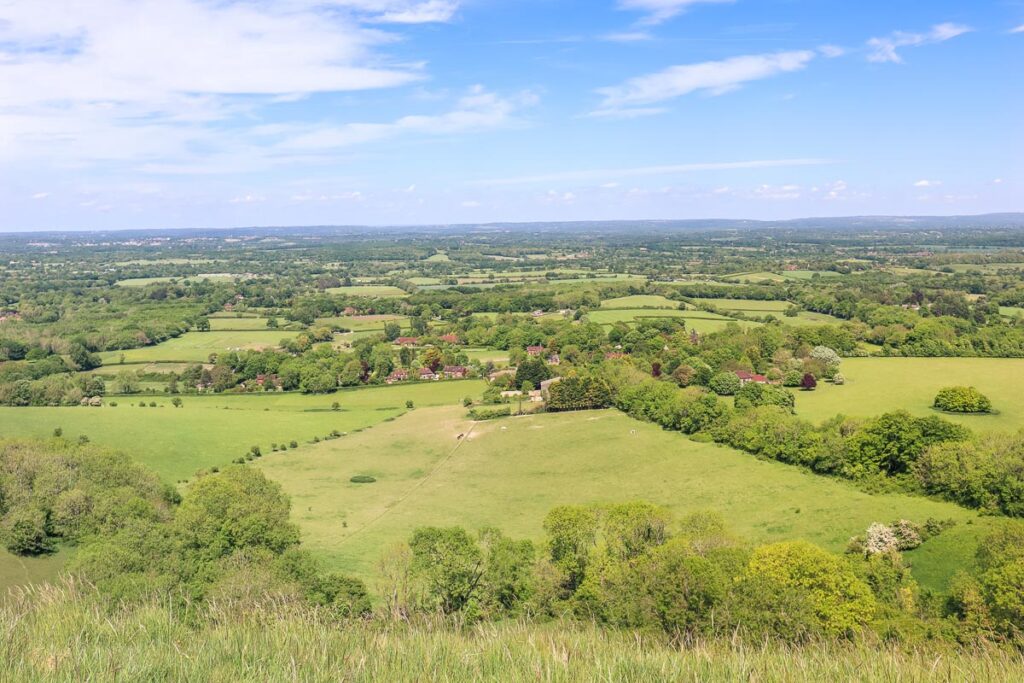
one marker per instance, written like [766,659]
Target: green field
[876,385]
[754,306]
[509,473]
[379,291]
[364,323]
[1011,311]
[421,281]
[808,318]
[195,347]
[701,321]
[640,301]
[16,570]
[235,323]
[495,356]
[215,429]
[143,281]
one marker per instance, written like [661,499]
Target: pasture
[144,281]
[641,301]
[364,323]
[237,323]
[509,473]
[371,291]
[196,347]
[212,430]
[750,306]
[877,385]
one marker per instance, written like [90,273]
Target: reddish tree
[808,382]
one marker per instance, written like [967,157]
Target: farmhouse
[747,377]
[455,372]
[534,350]
[407,341]
[450,338]
[428,374]
[399,375]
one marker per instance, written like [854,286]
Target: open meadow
[213,430]
[877,385]
[509,473]
[196,347]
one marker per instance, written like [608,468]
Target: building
[534,350]
[554,359]
[450,338]
[428,374]
[747,377]
[399,375]
[455,372]
[407,341]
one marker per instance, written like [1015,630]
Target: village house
[428,374]
[399,375]
[747,377]
[407,341]
[455,372]
[269,381]
[450,338]
[534,350]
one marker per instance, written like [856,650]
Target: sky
[221,113]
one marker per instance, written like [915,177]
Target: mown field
[877,385]
[641,301]
[214,430]
[381,291]
[196,347]
[509,473]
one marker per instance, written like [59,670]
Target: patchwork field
[196,347]
[753,306]
[236,323]
[877,385]
[509,473]
[143,281]
[364,323]
[215,429]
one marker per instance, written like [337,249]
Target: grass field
[754,306]
[216,429]
[143,281]
[380,291]
[509,473]
[640,301]
[364,323]
[235,323]
[421,281]
[22,571]
[877,385]
[197,346]
[808,318]
[495,356]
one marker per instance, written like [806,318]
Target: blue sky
[203,113]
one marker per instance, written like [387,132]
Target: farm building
[455,372]
[399,375]
[407,341]
[746,377]
[428,374]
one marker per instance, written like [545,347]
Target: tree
[392,330]
[450,565]
[176,402]
[203,324]
[752,395]
[532,371]
[808,383]
[83,358]
[725,383]
[127,382]
[841,602]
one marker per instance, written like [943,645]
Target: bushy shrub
[724,383]
[962,400]
[490,413]
[363,479]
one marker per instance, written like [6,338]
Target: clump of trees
[962,400]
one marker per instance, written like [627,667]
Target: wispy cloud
[886,49]
[599,174]
[657,11]
[715,78]
[927,183]
[1019,29]
[628,37]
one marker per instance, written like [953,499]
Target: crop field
[625,315]
[421,281]
[213,430]
[641,301]
[509,473]
[378,291]
[196,347]
[877,385]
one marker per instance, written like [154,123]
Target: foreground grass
[213,430]
[510,473]
[876,385]
[59,634]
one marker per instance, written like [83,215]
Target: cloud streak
[714,78]
[658,11]
[886,49]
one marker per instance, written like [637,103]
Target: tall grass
[62,633]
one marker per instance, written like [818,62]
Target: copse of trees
[962,400]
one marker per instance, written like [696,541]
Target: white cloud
[657,11]
[247,199]
[997,181]
[603,173]
[432,11]
[470,204]
[476,111]
[716,78]
[1019,29]
[777,192]
[887,49]
[831,51]
[628,37]
[927,183]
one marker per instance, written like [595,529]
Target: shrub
[363,479]
[482,413]
[725,383]
[962,400]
